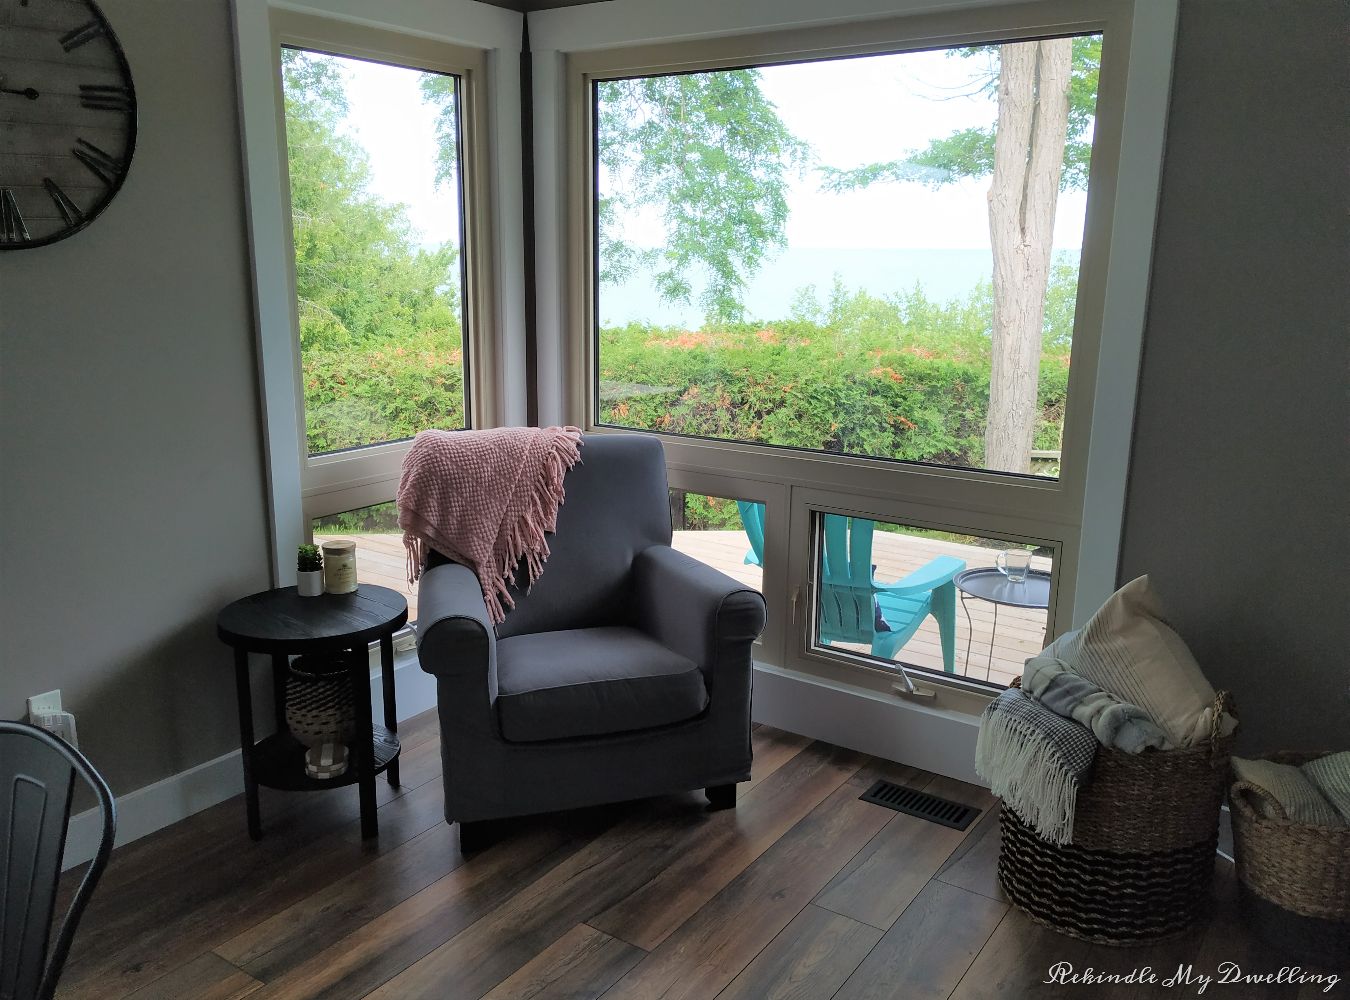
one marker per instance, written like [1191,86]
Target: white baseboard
[883,725]
[178,796]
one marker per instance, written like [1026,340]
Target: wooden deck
[1020,632]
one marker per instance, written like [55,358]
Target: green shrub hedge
[802,384]
[383,391]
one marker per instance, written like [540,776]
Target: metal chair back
[37,784]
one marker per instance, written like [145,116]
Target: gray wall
[1237,499]
[131,497]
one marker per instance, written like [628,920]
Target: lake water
[943,275]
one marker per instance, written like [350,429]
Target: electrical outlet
[43,704]
[60,724]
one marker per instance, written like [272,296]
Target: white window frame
[480,45]
[1081,513]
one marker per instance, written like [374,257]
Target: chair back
[847,593]
[617,504]
[37,781]
[752,520]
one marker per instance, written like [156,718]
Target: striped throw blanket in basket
[1036,761]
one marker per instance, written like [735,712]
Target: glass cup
[1014,564]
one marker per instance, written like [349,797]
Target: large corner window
[384,242]
[863,269]
[373,160]
[874,256]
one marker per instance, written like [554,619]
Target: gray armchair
[623,673]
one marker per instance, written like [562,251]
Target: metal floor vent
[920,804]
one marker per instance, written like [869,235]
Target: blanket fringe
[524,539]
[1010,757]
[416,549]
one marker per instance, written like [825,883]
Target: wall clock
[67,119]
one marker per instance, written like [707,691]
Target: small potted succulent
[309,571]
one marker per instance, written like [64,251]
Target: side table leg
[245,696]
[390,708]
[280,663]
[970,630]
[365,745]
[993,631]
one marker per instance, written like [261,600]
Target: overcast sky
[850,111]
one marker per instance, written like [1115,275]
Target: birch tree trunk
[1033,114]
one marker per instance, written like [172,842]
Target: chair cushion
[590,682]
[617,505]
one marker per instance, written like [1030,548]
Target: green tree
[379,313]
[1047,92]
[360,274]
[709,152]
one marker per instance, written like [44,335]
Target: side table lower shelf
[279,762]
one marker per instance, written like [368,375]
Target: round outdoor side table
[283,624]
[987,583]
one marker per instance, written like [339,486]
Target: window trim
[327,477]
[480,45]
[1088,499]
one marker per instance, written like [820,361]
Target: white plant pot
[309,584]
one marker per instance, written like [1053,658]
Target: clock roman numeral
[72,40]
[101,97]
[12,228]
[68,209]
[100,164]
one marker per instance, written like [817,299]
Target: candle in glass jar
[339,567]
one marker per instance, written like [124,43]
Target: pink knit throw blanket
[485,499]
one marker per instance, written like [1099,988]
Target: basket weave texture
[1300,868]
[321,700]
[1141,863]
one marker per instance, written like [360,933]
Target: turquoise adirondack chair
[854,605]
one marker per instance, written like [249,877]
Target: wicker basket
[1293,879]
[1141,864]
[321,699]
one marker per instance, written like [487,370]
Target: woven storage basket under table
[1140,867]
[1293,879]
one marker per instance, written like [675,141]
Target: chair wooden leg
[721,797]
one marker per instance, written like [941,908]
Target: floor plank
[772,749]
[928,949]
[710,949]
[890,871]
[206,977]
[580,965]
[724,900]
[974,864]
[168,918]
[379,950]
[617,864]
[285,939]
[649,914]
[811,958]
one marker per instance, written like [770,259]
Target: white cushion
[1129,650]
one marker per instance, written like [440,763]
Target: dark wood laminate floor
[803,891]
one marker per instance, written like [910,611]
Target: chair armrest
[929,576]
[455,637]
[693,609]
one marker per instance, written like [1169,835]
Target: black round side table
[282,623]
[989,583]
